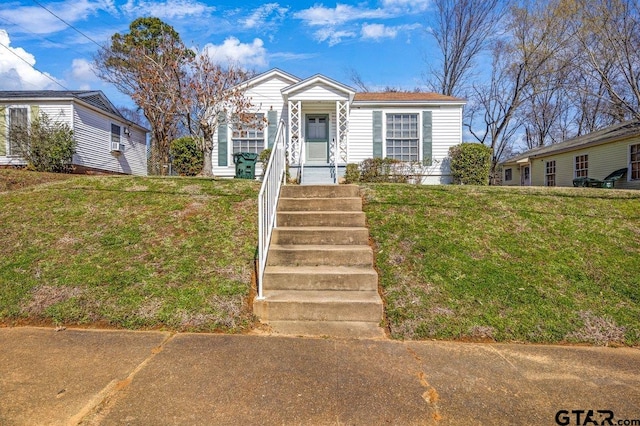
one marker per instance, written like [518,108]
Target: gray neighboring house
[106,141]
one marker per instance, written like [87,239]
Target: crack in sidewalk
[100,405]
[430,395]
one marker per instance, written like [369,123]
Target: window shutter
[272,125]
[223,152]
[377,134]
[427,138]
[35,111]
[3,130]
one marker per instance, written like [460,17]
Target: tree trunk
[207,166]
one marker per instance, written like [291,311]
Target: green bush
[470,164]
[264,156]
[46,145]
[187,157]
[352,173]
[383,170]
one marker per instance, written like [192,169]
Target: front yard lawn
[130,252]
[508,264]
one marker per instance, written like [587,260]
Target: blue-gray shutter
[272,126]
[377,134]
[427,138]
[223,152]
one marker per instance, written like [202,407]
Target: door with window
[525,176]
[317,139]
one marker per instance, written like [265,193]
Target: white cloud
[168,9]
[333,36]
[380,31]
[37,20]
[232,51]
[322,16]
[82,71]
[16,69]
[259,19]
[411,6]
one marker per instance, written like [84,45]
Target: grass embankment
[129,252]
[508,264]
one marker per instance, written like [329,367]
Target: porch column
[342,129]
[295,132]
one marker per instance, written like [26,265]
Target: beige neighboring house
[595,156]
[106,142]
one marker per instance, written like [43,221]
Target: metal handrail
[274,178]
[302,159]
[335,160]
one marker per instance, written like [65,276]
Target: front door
[317,139]
[525,176]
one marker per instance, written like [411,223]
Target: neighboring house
[327,121]
[106,142]
[596,155]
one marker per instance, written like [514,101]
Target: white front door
[525,176]
[317,139]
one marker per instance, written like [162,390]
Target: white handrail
[274,178]
[335,160]
[302,155]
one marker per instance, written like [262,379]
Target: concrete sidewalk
[154,378]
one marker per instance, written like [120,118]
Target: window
[550,175]
[18,121]
[249,136]
[402,137]
[582,165]
[508,174]
[634,160]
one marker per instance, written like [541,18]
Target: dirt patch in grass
[44,296]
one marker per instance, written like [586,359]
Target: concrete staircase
[319,279]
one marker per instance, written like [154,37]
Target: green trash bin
[245,164]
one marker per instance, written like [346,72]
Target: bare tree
[215,94]
[148,65]
[462,29]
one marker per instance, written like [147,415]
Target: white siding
[92,131]
[264,96]
[318,92]
[446,132]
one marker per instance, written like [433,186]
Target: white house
[106,142]
[328,121]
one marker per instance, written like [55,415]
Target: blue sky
[385,41]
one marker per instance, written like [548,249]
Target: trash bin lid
[616,175]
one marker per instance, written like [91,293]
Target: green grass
[173,253]
[508,264]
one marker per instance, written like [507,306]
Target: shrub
[470,164]
[47,145]
[188,159]
[264,156]
[383,170]
[352,173]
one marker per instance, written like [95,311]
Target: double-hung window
[508,175]
[634,160]
[402,137]
[582,166]
[248,135]
[18,128]
[550,175]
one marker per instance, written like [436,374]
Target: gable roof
[608,134]
[274,72]
[319,78]
[93,97]
[405,97]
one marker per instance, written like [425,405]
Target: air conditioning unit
[117,147]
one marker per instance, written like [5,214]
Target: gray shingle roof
[92,97]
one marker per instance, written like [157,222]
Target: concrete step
[337,329]
[319,191]
[320,235]
[279,305]
[316,255]
[339,278]
[347,204]
[321,218]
